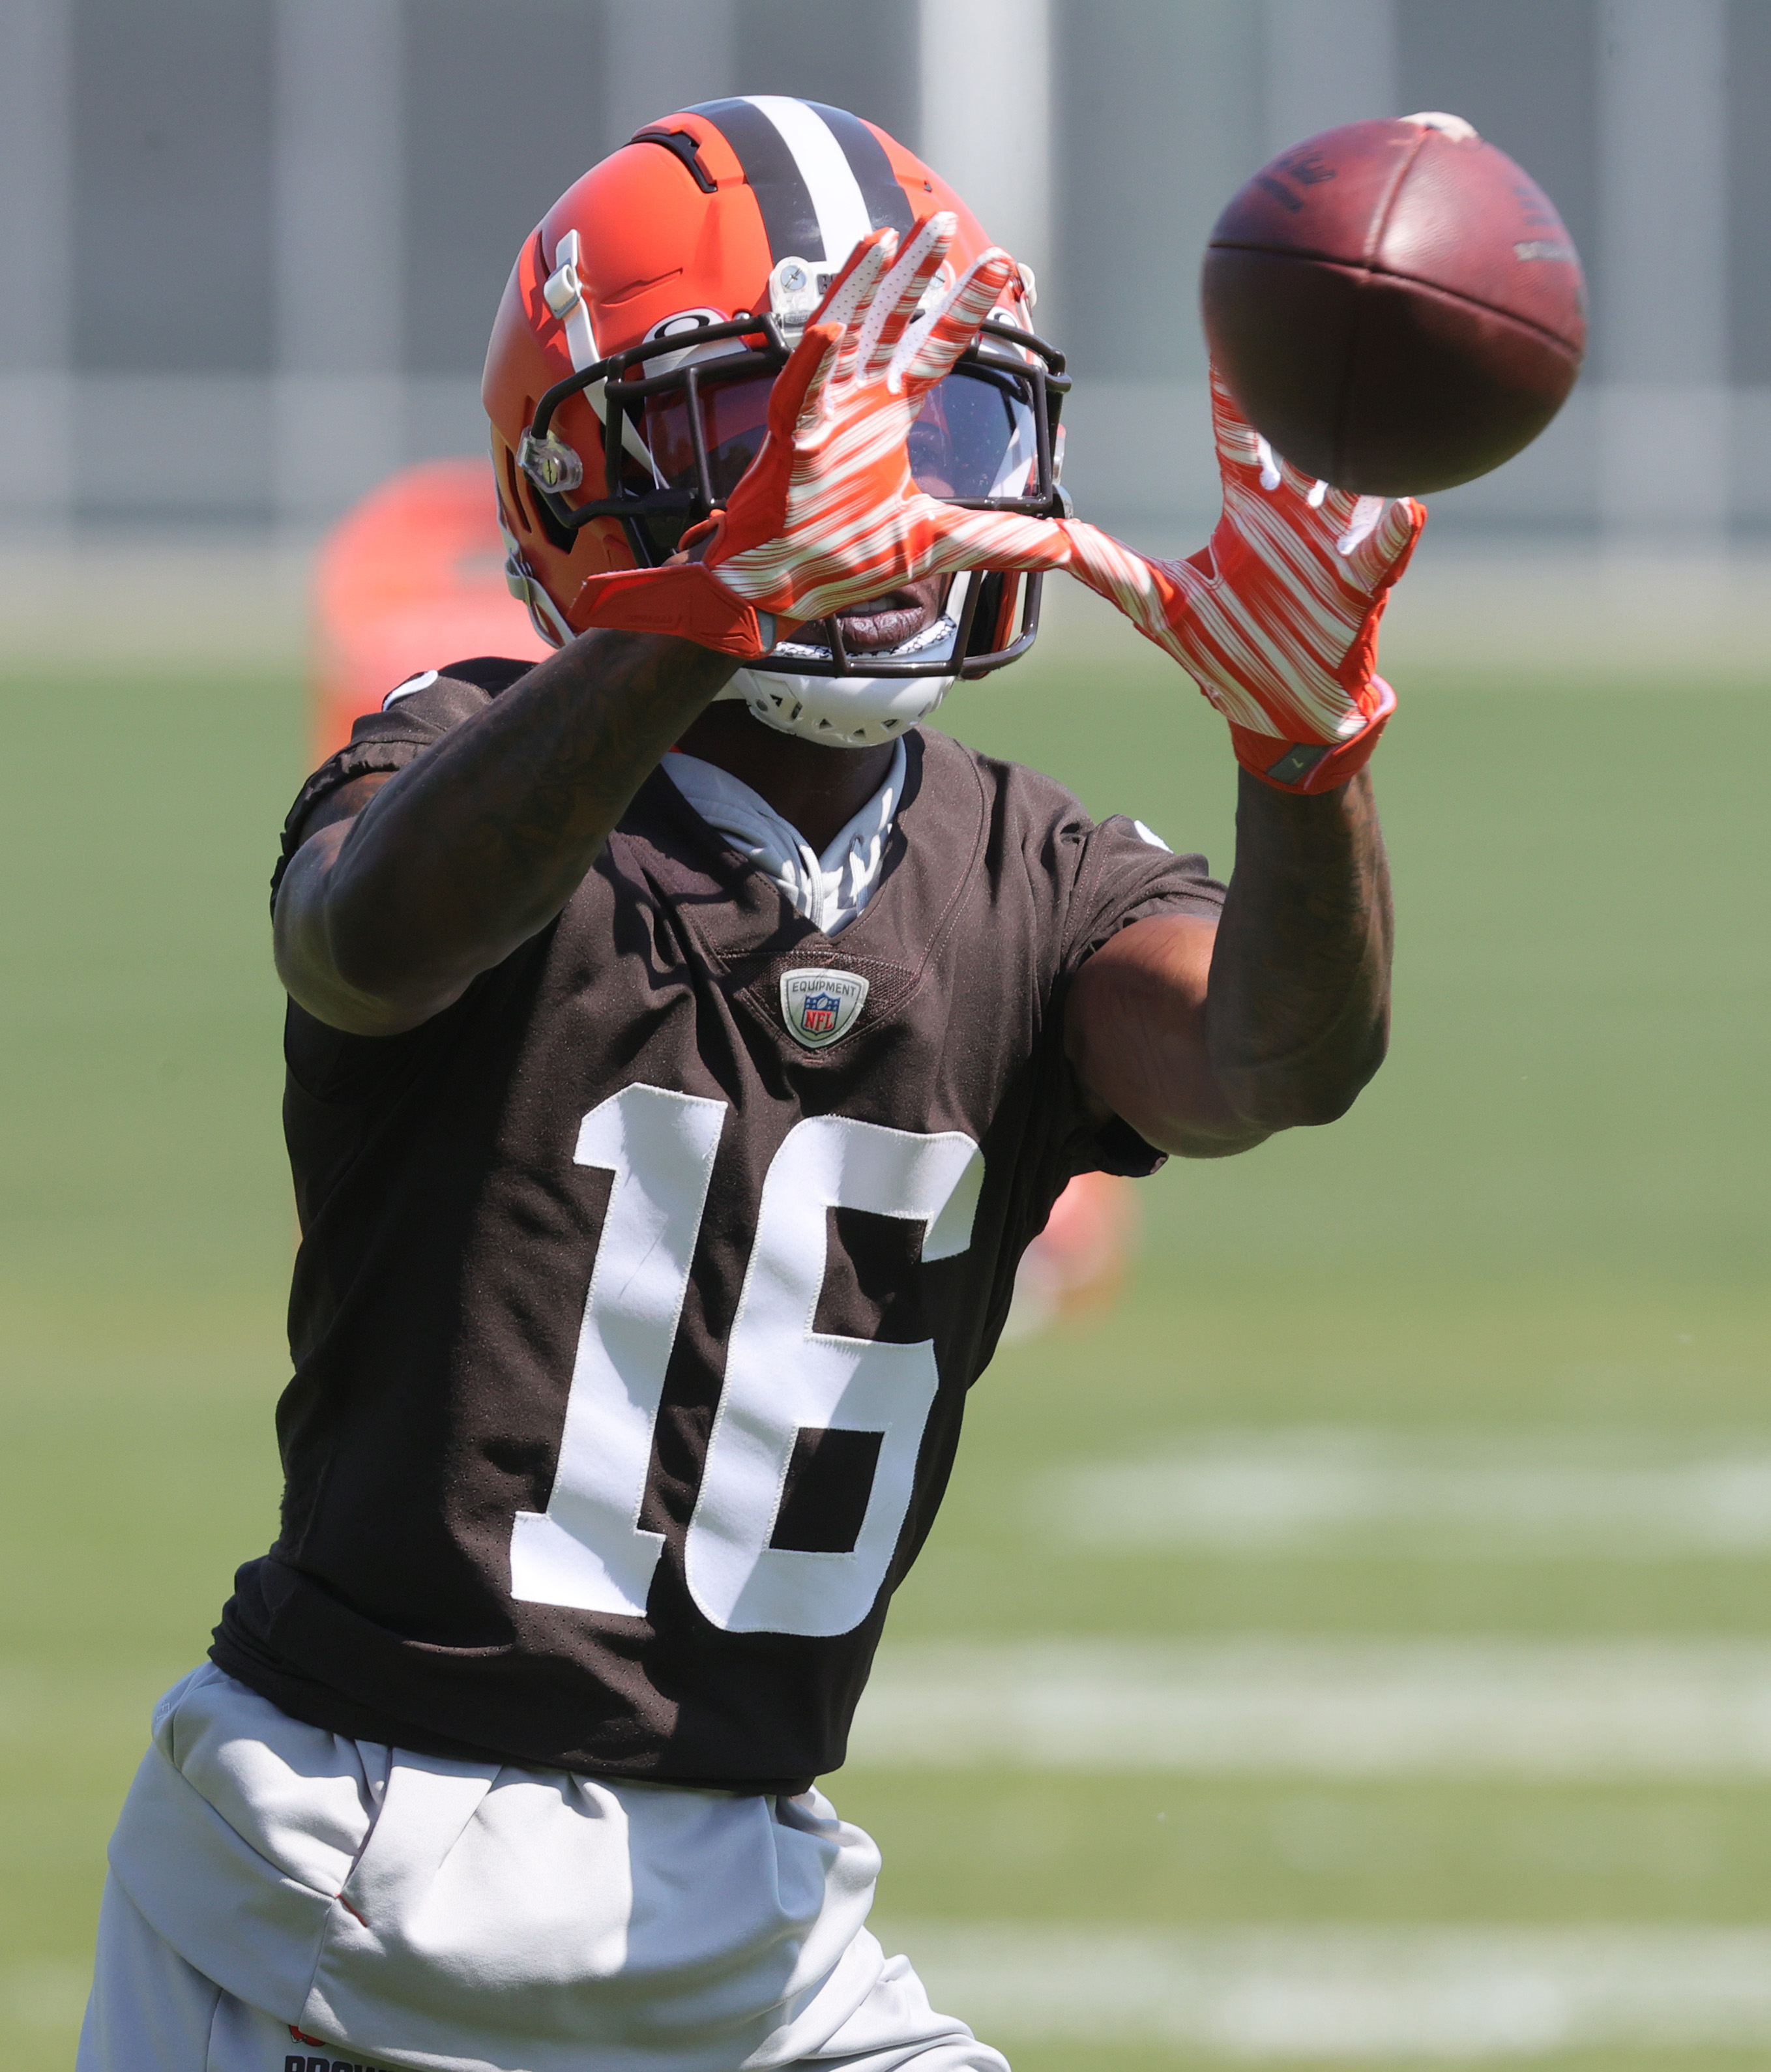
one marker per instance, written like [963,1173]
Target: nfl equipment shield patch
[820,1006]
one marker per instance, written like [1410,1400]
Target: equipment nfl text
[820,1007]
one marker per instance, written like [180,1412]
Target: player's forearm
[384,920]
[1298,1005]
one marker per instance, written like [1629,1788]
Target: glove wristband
[689,602]
[1305,768]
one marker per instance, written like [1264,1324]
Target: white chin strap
[852,712]
[842,712]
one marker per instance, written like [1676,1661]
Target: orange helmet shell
[690,219]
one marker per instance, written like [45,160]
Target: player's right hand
[827,516]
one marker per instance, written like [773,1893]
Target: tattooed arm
[1208,1037]
[405,888]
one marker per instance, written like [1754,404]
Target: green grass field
[1545,1225]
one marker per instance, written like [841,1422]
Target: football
[1395,306]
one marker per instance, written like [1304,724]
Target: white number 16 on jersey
[781,1377]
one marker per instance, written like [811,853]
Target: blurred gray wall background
[250,249]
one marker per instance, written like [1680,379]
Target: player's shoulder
[1094,873]
[433,701]
[413,714]
[416,712]
[1011,788]
[1025,808]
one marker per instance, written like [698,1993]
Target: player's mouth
[887,622]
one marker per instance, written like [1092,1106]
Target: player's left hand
[827,516]
[1276,620]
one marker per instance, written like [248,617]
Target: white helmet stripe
[841,208]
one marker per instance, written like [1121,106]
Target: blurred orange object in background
[1078,1261]
[411,578]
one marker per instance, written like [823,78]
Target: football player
[682,1045]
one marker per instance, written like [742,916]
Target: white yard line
[1500,1496]
[1332,1708]
[1327,1993]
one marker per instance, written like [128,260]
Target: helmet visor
[974,438]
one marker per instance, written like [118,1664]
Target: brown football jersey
[639,1291]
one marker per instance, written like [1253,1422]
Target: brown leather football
[1395,304]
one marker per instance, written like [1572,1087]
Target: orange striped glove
[828,515]
[1276,620]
